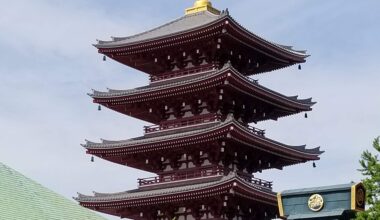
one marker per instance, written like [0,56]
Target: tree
[371,171]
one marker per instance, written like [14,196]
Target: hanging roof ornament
[202,5]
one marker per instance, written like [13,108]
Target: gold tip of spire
[202,5]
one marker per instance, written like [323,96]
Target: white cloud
[48,65]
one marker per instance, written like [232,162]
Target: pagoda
[201,102]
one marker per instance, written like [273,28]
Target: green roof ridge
[22,198]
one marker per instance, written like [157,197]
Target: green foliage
[371,170]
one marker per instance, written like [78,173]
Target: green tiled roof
[23,199]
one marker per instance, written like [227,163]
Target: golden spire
[202,5]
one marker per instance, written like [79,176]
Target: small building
[322,203]
[23,198]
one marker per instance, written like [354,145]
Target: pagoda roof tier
[243,139]
[224,186]
[214,81]
[217,29]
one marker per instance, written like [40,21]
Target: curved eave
[286,101]
[183,193]
[226,73]
[303,153]
[299,56]
[230,129]
[139,195]
[224,20]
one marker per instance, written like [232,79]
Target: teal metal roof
[22,198]
[336,202]
[313,190]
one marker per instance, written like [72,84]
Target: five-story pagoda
[201,102]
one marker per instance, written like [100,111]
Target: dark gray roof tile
[183,132]
[137,194]
[175,82]
[180,25]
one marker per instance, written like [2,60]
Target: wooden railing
[202,173]
[182,123]
[256,181]
[185,72]
[256,131]
[181,176]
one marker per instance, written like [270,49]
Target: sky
[48,65]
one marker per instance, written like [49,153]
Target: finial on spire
[202,5]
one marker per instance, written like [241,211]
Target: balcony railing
[179,73]
[255,181]
[202,173]
[182,123]
[257,131]
[181,176]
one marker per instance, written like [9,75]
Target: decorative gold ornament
[202,5]
[315,203]
[360,197]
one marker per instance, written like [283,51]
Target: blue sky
[47,65]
